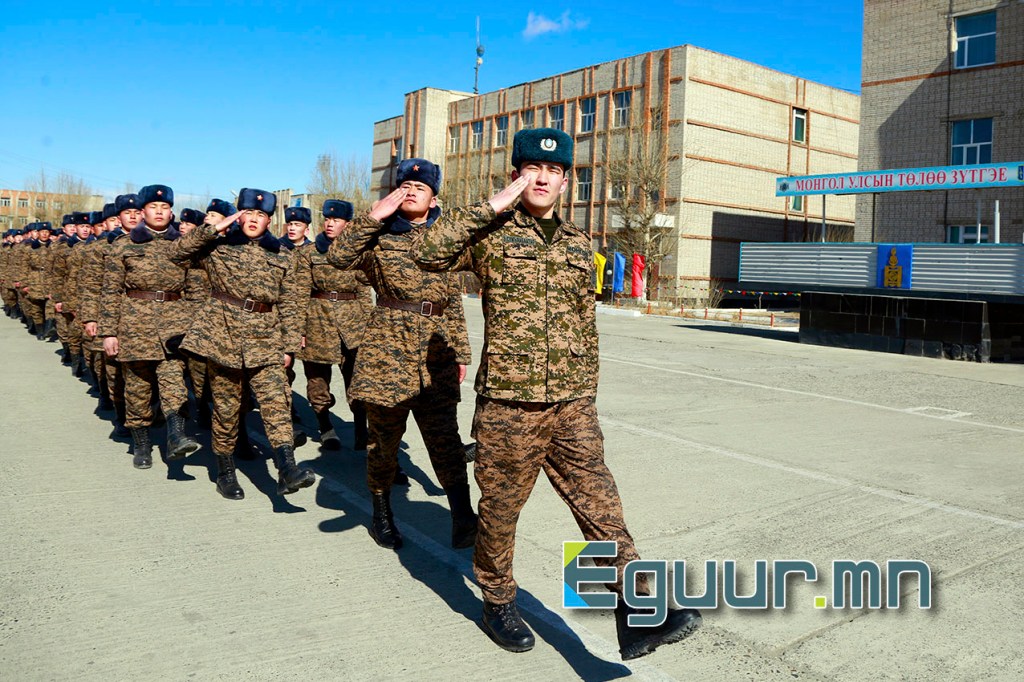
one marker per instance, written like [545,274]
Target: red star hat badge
[415,168]
[159,192]
[259,197]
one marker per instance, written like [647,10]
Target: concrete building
[943,84]
[19,207]
[285,199]
[723,130]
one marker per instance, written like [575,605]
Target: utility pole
[479,60]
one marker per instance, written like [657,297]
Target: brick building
[726,129]
[19,207]
[943,84]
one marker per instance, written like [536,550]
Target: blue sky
[210,97]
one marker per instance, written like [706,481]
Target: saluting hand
[386,207]
[506,198]
[223,225]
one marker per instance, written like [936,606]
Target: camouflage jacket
[57,275]
[142,262]
[34,271]
[246,269]
[540,328]
[403,353]
[329,324]
[5,264]
[90,278]
[70,290]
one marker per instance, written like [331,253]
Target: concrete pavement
[726,444]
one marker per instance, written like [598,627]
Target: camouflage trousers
[115,379]
[318,389]
[140,378]
[514,442]
[33,309]
[197,373]
[94,359]
[50,310]
[437,420]
[9,297]
[62,327]
[74,333]
[228,387]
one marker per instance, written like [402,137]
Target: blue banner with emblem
[619,275]
[895,266]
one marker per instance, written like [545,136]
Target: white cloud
[538,24]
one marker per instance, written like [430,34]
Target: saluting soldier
[537,380]
[142,314]
[415,350]
[197,293]
[296,234]
[335,305]
[248,332]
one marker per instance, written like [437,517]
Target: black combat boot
[243,446]
[328,438]
[635,641]
[40,332]
[65,354]
[463,517]
[77,365]
[143,450]
[32,328]
[506,627]
[401,478]
[359,424]
[227,482]
[120,431]
[106,404]
[290,476]
[179,444]
[50,330]
[382,526]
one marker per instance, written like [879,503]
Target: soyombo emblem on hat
[548,144]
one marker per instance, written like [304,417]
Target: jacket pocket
[519,263]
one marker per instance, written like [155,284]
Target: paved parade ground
[727,444]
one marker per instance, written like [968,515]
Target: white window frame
[963,44]
[453,139]
[477,139]
[979,148]
[967,234]
[620,111]
[559,122]
[588,120]
[800,115]
[22,202]
[501,131]
[5,201]
[584,183]
[525,124]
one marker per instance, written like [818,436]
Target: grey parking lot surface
[727,444]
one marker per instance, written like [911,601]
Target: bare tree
[66,193]
[636,172]
[334,178]
[466,181]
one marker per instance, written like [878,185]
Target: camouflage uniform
[335,305]
[91,286]
[244,342]
[6,283]
[408,360]
[141,305]
[69,291]
[197,293]
[34,265]
[536,383]
[58,274]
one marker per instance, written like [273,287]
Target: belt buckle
[249,305]
[160,296]
[426,308]
[332,296]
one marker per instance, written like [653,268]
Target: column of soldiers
[146,305]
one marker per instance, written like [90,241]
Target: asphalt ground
[727,444]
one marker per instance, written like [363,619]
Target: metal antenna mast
[479,60]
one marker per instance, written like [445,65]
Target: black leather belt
[427,308]
[246,304]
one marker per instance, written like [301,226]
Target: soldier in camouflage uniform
[415,351]
[90,281]
[248,332]
[14,272]
[197,293]
[537,380]
[68,291]
[142,317]
[58,271]
[296,235]
[6,283]
[336,306]
[34,266]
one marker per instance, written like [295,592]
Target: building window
[584,180]
[501,128]
[589,114]
[298,201]
[966,234]
[399,148]
[478,134]
[526,119]
[799,125]
[972,142]
[617,191]
[796,204]
[40,203]
[975,40]
[453,140]
[5,201]
[23,220]
[556,116]
[621,109]
[58,205]
[23,203]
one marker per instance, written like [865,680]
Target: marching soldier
[68,292]
[197,293]
[415,350]
[33,276]
[6,283]
[537,380]
[296,235]
[90,281]
[248,333]
[141,316]
[336,306]
[58,271]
